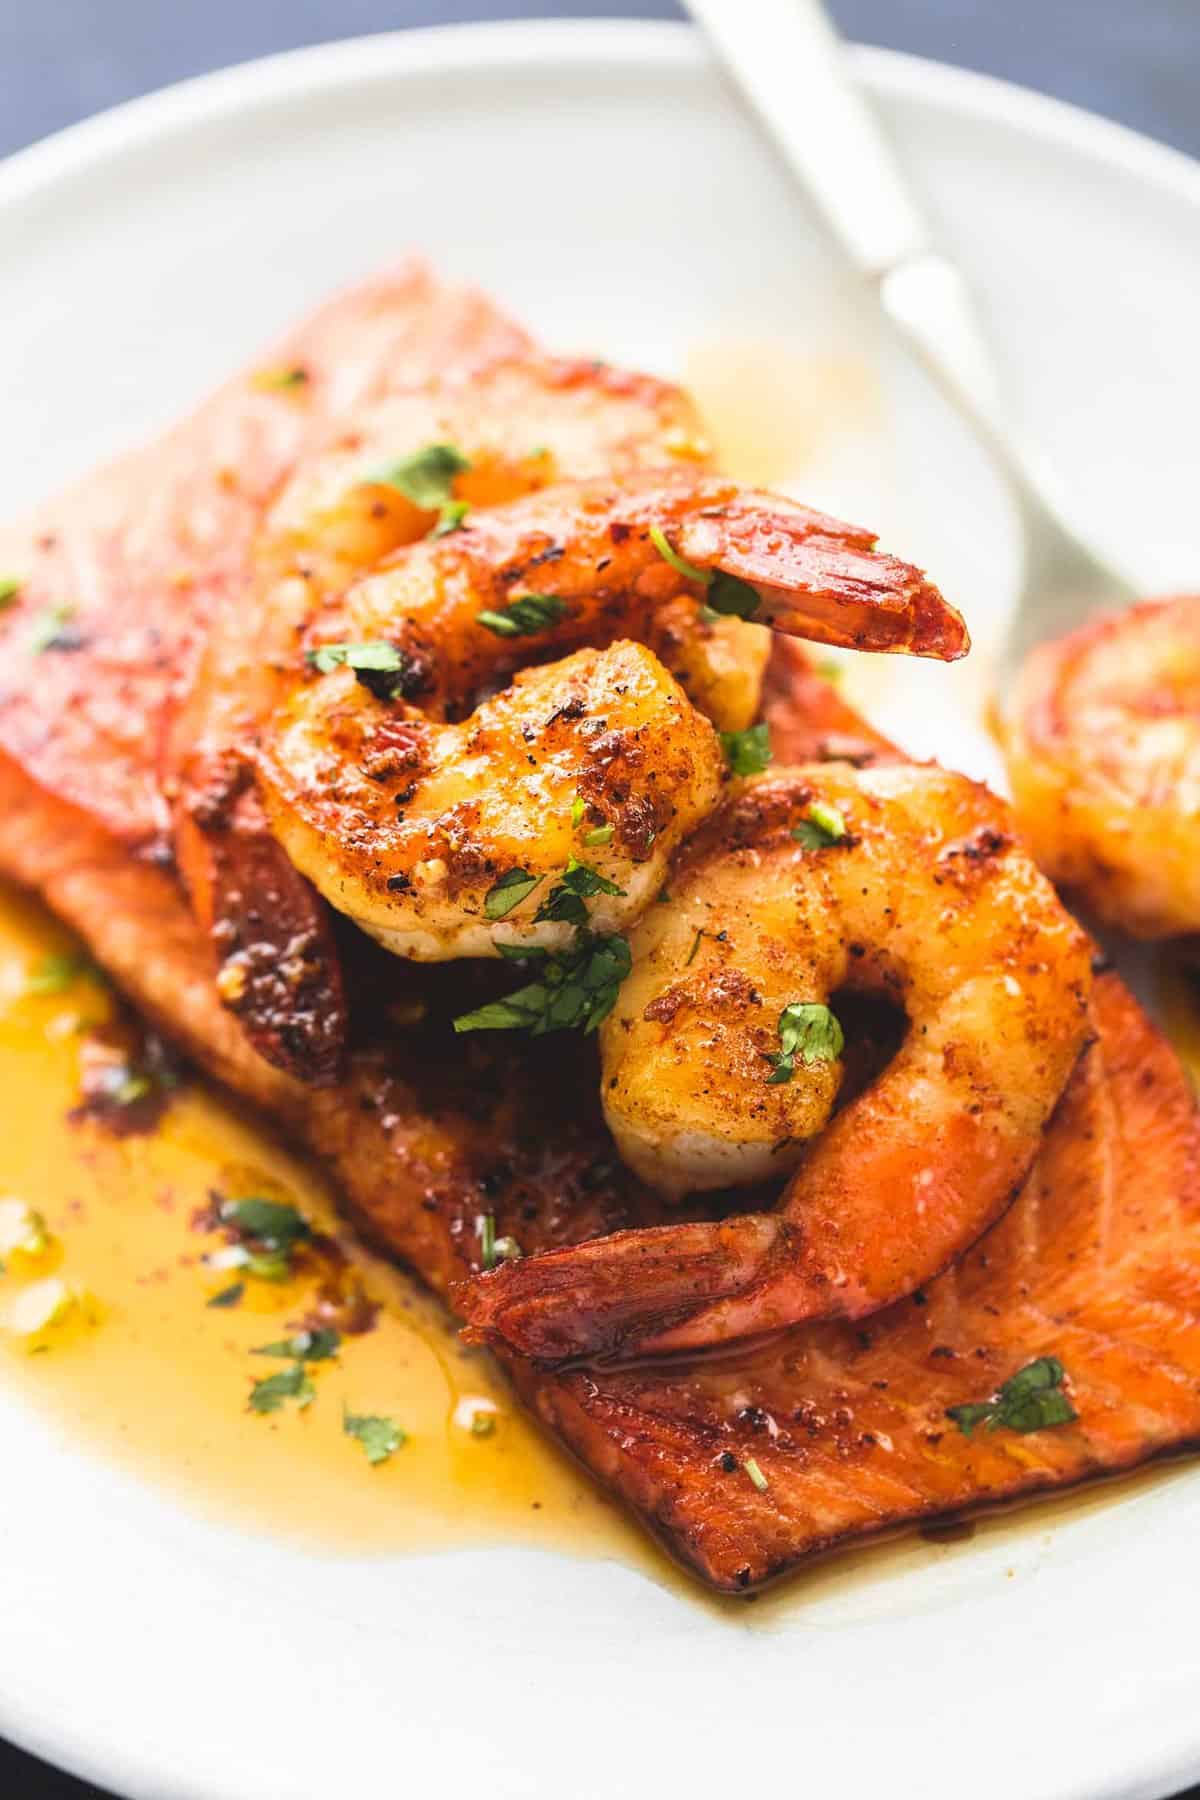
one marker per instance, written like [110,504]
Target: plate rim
[135,125]
[344,62]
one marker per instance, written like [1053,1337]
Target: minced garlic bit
[45,1310]
[476,1414]
[22,1230]
[231,981]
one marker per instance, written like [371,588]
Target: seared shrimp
[447,840]
[411,829]
[722,1060]
[1103,749]
[479,437]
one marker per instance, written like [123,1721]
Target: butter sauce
[145,1369]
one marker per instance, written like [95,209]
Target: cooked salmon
[746,1464]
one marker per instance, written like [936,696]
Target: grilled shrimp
[410,822]
[1103,752]
[722,1061]
[492,435]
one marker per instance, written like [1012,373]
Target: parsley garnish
[55,973]
[304,1347]
[823,826]
[10,587]
[578,808]
[268,1395]
[493,1249]
[576,988]
[378,1436]
[275,1224]
[565,901]
[378,665]
[600,834]
[809,1031]
[747,752]
[52,630]
[513,887]
[680,564]
[228,1296]
[450,518]
[523,617]
[426,476]
[756,1475]
[727,596]
[1030,1400]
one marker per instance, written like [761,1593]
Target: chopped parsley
[575,989]
[808,1031]
[823,826]
[450,518]
[493,1249]
[10,588]
[378,665]
[680,564]
[304,1347]
[756,1475]
[268,1395]
[264,1265]
[379,1437]
[726,596]
[513,887]
[599,834]
[578,808]
[426,477]
[273,1228]
[696,941]
[565,901]
[525,616]
[228,1296]
[52,630]
[55,973]
[1030,1400]
[729,597]
[273,1223]
[272,380]
[747,752]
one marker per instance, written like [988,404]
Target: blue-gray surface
[64,59]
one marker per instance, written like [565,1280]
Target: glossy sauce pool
[160,1378]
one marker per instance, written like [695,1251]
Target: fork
[790,65]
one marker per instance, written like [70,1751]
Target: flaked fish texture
[744,1464]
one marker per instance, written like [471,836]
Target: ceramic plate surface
[603,181]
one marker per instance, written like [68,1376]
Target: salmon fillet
[1097,1263]
[134,559]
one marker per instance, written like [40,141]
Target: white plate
[602,181]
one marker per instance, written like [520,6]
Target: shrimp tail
[824,580]
[623,1294]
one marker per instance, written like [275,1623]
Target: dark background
[64,59]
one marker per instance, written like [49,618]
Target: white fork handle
[791,66]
